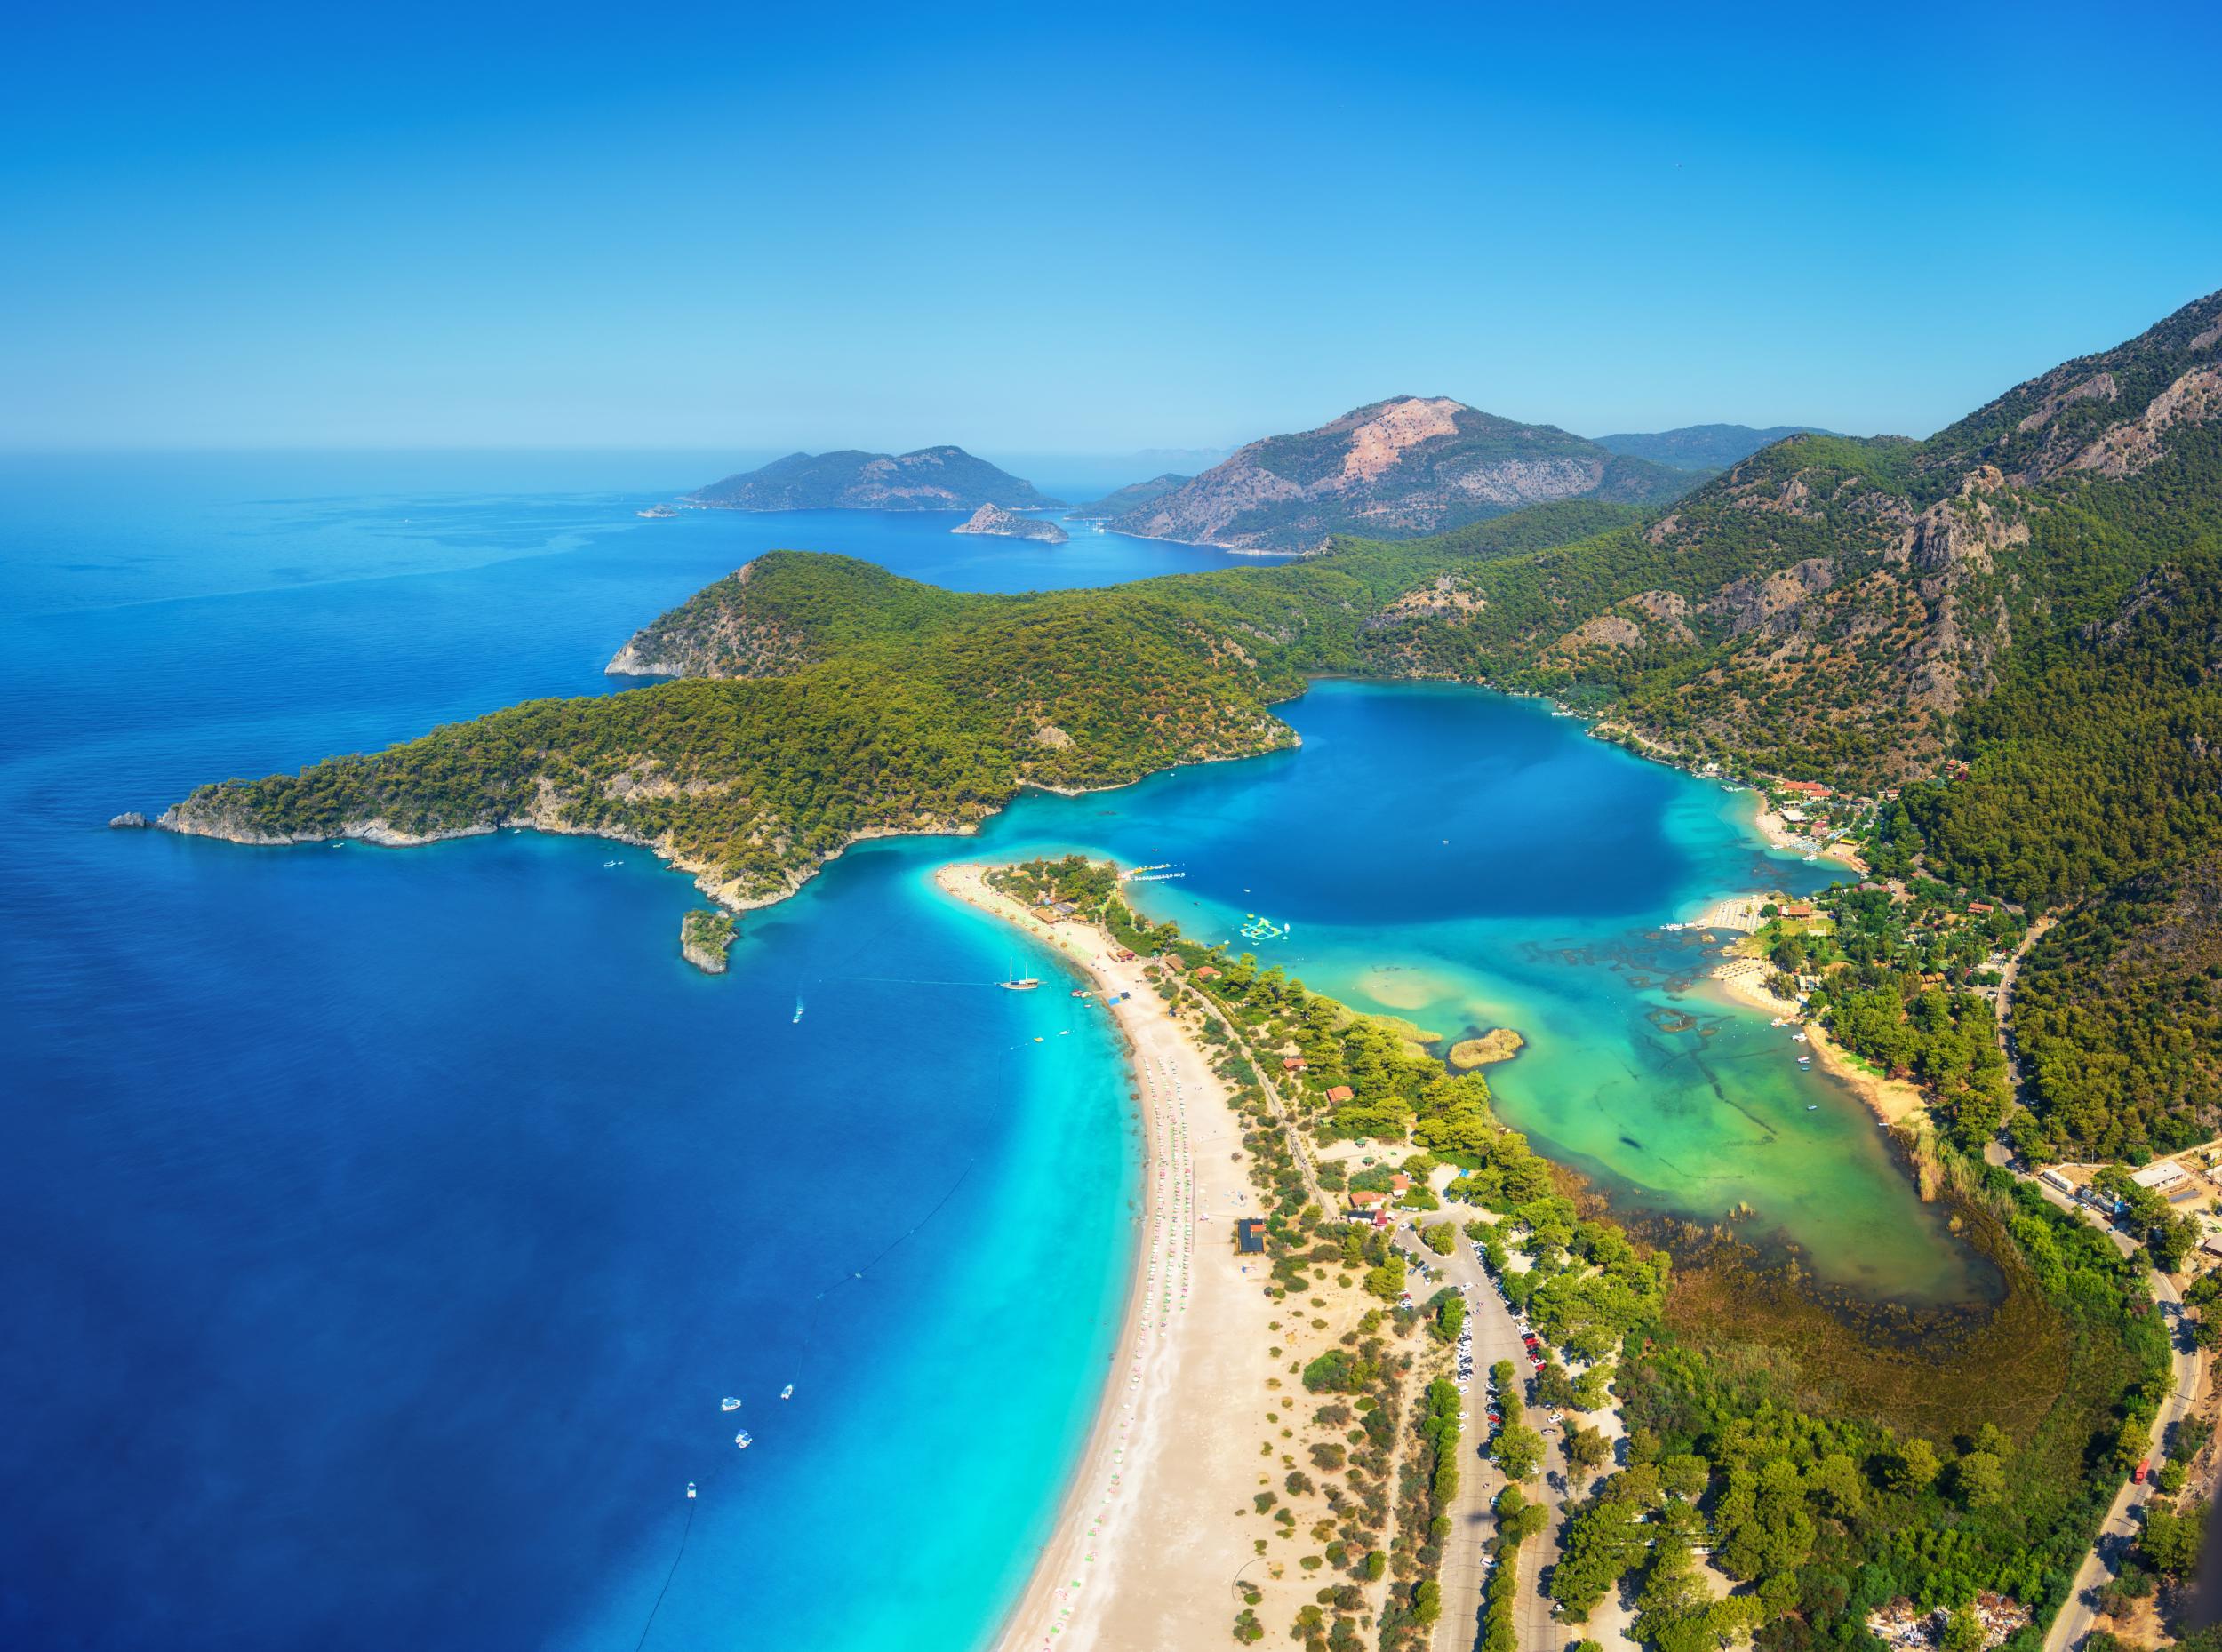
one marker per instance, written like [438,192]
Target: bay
[382,1227]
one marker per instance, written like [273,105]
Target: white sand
[1147,1542]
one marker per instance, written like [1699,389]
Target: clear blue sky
[787,227]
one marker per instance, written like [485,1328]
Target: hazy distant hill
[1395,469]
[1130,498]
[933,478]
[1703,447]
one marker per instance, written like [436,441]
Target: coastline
[1141,1547]
[1779,834]
[1893,1101]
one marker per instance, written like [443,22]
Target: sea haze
[383,1227]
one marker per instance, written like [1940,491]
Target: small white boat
[690,1490]
[798,1010]
[607,864]
[729,1404]
[787,1392]
[742,1439]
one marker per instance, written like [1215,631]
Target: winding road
[2081,1611]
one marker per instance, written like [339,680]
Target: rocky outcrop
[1444,597]
[704,936]
[995,519]
[2194,399]
[1767,601]
[1966,532]
[130,820]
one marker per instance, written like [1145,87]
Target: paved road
[2077,1616]
[1464,1573]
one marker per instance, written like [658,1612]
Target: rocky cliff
[704,935]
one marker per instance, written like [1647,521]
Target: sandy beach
[1780,834]
[1146,1546]
[1894,1101]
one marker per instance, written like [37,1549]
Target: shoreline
[1893,1101]
[1778,833]
[1140,1548]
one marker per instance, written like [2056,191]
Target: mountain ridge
[1702,447]
[1401,467]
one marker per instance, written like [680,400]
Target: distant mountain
[1393,470]
[1130,498]
[1704,447]
[933,478]
[1186,460]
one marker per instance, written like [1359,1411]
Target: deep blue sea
[379,1229]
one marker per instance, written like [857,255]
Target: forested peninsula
[2006,630]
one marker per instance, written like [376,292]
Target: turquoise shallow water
[1469,862]
[382,1227]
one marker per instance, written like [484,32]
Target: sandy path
[1147,1542]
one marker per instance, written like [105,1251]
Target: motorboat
[729,1404]
[743,1441]
[787,1392]
[690,1490]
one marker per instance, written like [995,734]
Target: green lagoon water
[1469,861]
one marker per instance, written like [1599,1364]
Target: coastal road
[2080,1613]
[1464,1573]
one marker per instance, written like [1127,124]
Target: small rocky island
[704,935]
[995,519]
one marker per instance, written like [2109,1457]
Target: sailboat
[1014,982]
